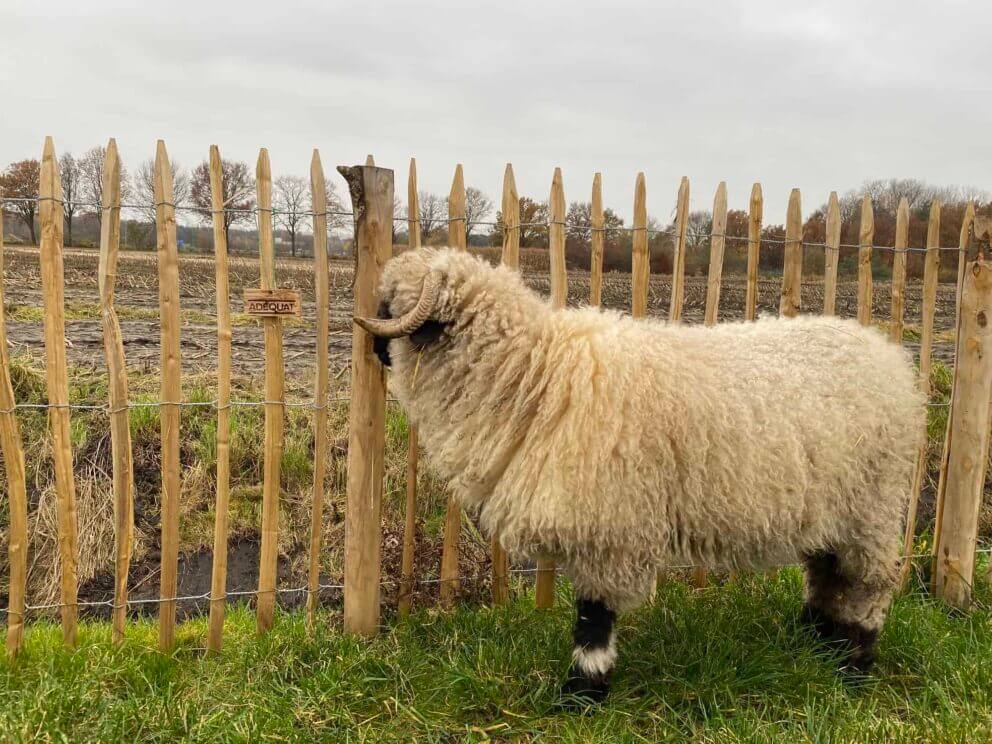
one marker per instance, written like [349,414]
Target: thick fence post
[218,577]
[597,241]
[171,391]
[964,238]
[274,404]
[371,192]
[321,388]
[792,268]
[410,523]
[899,272]
[57,374]
[866,236]
[831,258]
[640,269]
[510,257]
[17,500]
[931,270]
[968,442]
[544,590]
[453,514]
[113,350]
[678,257]
[754,217]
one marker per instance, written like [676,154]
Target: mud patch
[194,579]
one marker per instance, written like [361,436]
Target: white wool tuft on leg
[598,661]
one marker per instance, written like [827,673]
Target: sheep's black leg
[594,652]
[845,611]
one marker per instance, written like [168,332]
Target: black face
[428,333]
[381,345]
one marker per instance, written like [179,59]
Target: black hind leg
[593,654]
[847,599]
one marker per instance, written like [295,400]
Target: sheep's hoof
[856,643]
[580,692]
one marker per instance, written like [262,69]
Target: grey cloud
[817,96]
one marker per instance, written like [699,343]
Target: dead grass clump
[95,535]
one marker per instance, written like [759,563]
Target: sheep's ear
[428,333]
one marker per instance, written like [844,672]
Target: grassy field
[727,663]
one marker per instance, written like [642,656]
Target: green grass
[728,663]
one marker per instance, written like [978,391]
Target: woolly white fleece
[621,446]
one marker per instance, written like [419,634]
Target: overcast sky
[781,92]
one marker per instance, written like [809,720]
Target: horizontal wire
[178,207]
[110,603]
[571,226]
[310,405]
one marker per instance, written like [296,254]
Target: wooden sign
[272,303]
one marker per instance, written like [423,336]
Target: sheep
[619,446]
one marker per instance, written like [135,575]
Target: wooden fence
[963,464]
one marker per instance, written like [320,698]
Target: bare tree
[886,193]
[697,229]
[477,207]
[143,194]
[143,186]
[91,179]
[399,215]
[433,211]
[71,175]
[579,220]
[239,193]
[20,181]
[291,203]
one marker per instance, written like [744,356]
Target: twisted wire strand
[214,404]
[110,603]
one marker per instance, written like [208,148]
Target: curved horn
[406,324]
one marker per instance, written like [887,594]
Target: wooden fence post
[544,590]
[511,258]
[792,268]
[831,258]
[899,272]
[450,583]
[13,460]
[969,217]
[275,405]
[640,270]
[410,525]
[321,289]
[218,578]
[457,228]
[113,350]
[931,271]
[678,259]
[963,239]
[171,391]
[597,240]
[53,289]
[371,191]
[754,217]
[968,443]
[866,236]
[714,278]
